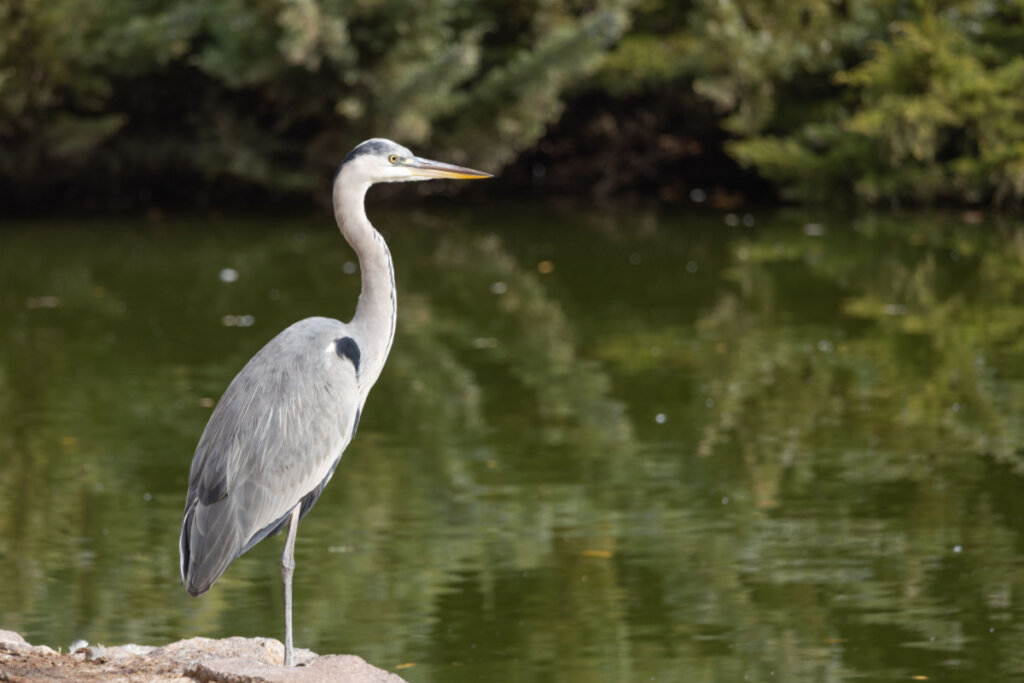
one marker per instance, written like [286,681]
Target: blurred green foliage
[916,100]
[888,101]
[274,92]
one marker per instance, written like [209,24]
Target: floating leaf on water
[48,301]
[238,321]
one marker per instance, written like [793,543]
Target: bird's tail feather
[209,543]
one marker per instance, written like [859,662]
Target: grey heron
[278,432]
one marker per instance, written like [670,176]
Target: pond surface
[624,445]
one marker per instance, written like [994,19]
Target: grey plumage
[278,432]
[284,404]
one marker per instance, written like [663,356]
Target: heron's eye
[393,158]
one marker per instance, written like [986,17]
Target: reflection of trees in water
[474,457]
[914,329]
[804,496]
[89,400]
[497,427]
[859,378]
[520,328]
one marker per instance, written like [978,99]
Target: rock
[13,642]
[327,669]
[267,650]
[121,653]
[229,660]
[11,637]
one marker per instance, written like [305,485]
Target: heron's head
[382,161]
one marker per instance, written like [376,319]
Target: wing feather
[273,439]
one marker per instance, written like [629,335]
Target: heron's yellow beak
[437,169]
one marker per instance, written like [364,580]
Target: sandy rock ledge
[231,660]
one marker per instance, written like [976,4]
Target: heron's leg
[287,569]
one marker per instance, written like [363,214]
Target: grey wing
[272,442]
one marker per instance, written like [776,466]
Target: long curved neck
[377,311]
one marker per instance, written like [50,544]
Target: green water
[620,445]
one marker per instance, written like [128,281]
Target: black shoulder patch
[346,347]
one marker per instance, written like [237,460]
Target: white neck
[373,324]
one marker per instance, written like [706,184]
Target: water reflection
[627,445]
